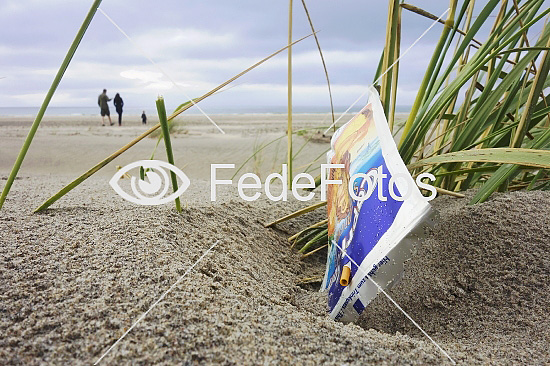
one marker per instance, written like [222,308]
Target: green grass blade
[389,56]
[395,71]
[496,180]
[484,168]
[534,94]
[169,125]
[322,61]
[427,76]
[289,97]
[416,134]
[507,170]
[407,138]
[321,237]
[307,235]
[161,110]
[539,175]
[47,99]
[434,83]
[431,109]
[184,107]
[479,121]
[316,225]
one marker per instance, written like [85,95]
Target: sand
[480,280]
[74,278]
[69,145]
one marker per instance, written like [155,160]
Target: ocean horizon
[92,111]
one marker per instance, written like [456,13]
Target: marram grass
[181,109]
[481,118]
[161,110]
[322,61]
[47,99]
[289,96]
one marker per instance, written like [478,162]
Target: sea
[92,111]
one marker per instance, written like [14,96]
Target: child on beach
[143,118]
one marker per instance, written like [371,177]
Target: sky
[199,45]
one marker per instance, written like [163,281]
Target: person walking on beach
[102,102]
[143,118]
[119,103]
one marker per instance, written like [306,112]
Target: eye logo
[154,187]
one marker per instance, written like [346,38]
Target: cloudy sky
[200,44]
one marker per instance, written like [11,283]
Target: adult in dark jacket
[102,102]
[119,103]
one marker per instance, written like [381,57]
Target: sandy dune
[74,278]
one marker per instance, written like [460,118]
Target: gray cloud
[200,44]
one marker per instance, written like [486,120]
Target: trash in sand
[374,216]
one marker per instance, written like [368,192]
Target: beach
[74,278]
[71,144]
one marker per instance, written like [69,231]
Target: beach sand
[75,277]
[69,145]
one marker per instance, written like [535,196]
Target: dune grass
[289,97]
[163,120]
[57,79]
[182,108]
[504,110]
[481,118]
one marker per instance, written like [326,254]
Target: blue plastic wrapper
[375,215]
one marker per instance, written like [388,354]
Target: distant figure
[119,103]
[143,118]
[102,102]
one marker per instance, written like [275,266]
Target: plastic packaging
[373,221]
